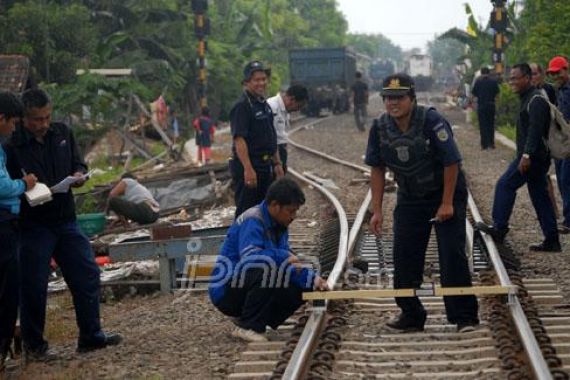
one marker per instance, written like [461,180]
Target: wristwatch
[526,156]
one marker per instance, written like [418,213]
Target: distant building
[14,73]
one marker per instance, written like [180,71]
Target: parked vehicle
[328,74]
[420,68]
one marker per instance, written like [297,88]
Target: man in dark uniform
[360,101]
[49,151]
[416,143]
[258,280]
[486,90]
[530,165]
[11,109]
[255,159]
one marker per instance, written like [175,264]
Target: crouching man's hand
[320,284]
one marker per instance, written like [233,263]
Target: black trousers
[246,197]
[486,116]
[257,306]
[411,235]
[9,277]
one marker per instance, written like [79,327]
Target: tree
[377,46]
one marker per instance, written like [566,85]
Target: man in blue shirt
[257,279]
[417,144]
[11,109]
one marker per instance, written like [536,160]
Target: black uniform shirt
[532,125]
[359,88]
[252,119]
[485,89]
[51,161]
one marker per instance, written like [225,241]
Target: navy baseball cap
[398,85]
[252,67]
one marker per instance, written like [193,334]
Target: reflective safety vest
[410,156]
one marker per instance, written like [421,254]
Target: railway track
[524,335]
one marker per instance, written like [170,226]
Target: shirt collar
[281,103]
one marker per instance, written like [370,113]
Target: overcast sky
[410,23]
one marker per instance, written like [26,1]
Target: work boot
[497,234]
[405,323]
[546,246]
[40,354]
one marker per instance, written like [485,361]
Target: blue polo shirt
[260,243]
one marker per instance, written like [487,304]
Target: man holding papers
[10,191]
[49,151]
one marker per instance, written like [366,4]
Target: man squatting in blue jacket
[257,279]
[11,109]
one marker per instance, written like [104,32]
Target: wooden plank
[395,293]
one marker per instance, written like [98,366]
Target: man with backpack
[558,70]
[530,165]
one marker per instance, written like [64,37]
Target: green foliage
[446,53]
[376,46]
[507,106]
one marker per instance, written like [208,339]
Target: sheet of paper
[63,186]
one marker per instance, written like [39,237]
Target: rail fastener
[395,293]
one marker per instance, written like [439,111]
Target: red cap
[556,64]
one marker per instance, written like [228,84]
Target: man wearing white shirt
[292,100]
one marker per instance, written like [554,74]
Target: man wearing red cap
[558,70]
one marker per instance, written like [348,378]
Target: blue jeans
[72,252]
[506,193]
[563,179]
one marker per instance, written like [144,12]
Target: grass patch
[509,131]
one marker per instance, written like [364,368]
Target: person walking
[416,143]
[558,70]
[359,95]
[486,89]
[529,167]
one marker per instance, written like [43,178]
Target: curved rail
[531,346]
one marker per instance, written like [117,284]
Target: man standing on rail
[530,165]
[360,101]
[257,279]
[281,104]
[255,159]
[50,230]
[417,144]
[486,89]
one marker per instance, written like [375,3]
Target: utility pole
[499,23]
[201,30]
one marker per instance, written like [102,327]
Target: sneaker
[465,327]
[405,324]
[42,354]
[546,246]
[497,234]
[248,335]
[564,229]
[107,339]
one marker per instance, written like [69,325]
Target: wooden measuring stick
[395,293]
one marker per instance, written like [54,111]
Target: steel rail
[530,344]
[301,355]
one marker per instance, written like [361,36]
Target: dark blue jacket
[52,161]
[255,240]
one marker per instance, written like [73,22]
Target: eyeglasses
[534,73]
[513,78]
